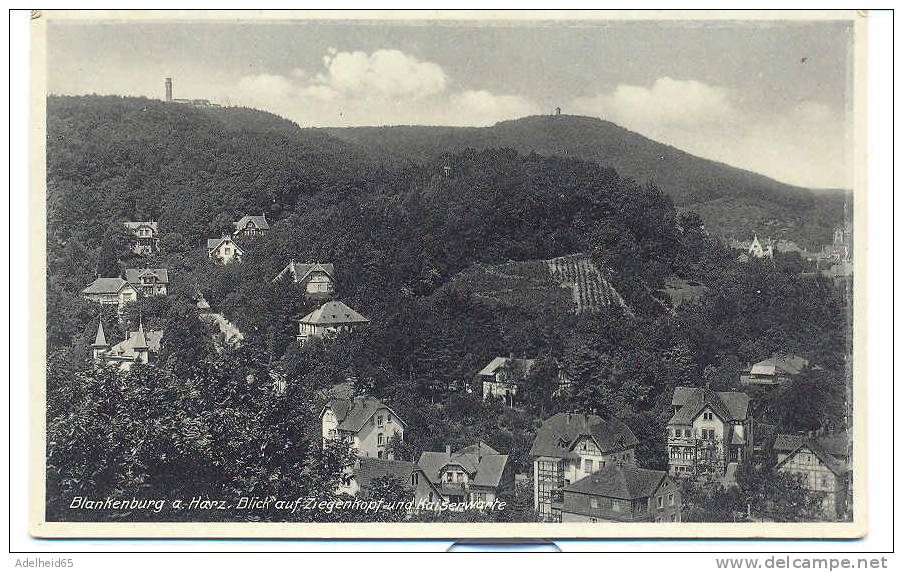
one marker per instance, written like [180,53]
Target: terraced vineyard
[591,290]
[568,283]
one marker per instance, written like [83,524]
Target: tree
[778,495]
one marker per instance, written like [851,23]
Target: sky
[771,97]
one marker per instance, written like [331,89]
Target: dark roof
[105,286]
[560,432]
[837,444]
[369,468]
[625,482]
[352,414]
[137,340]
[483,469]
[789,364]
[334,312]
[835,465]
[479,447]
[299,271]
[213,243]
[728,405]
[498,362]
[260,221]
[133,275]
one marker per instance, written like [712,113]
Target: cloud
[380,88]
[484,108]
[384,74]
[804,143]
[666,102]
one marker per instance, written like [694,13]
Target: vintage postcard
[448,274]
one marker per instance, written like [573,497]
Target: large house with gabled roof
[774,370]
[365,423]
[147,236]
[317,279]
[823,464]
[570,446]
[622,493]
[477,473]
[224,250]
[707,431]
[251,225]
[148,281]
[329,320]
[502,376]
[139,347]
[110,291]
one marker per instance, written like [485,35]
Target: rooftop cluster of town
[584,465]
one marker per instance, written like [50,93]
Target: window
[379,454]
[388,418]
[379,439]
[588,465]
[448,477]
[707,415]
[594,503]
[687,433]
[414,478]
[661,502]
[431,496]
[671,499]
[673,518]
[616,506]
[379,420]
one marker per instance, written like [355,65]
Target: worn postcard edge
[40,528]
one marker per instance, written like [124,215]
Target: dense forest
[732,202]
[401,236]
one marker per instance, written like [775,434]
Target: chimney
[168,84]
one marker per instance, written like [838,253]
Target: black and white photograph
[425,272]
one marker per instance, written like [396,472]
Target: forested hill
[732,201]
[195,170]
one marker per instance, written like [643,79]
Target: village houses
[774,370]
[139,347]
[476,473]
[570,446]
[251,225]
[318,280]
[367,469]
[110,291]
[148,281]
[137,282]
[224,250]
[622,493]
[367,424]
[501,377]
[147,237]
[823,464]
[329,320]
[708,431]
